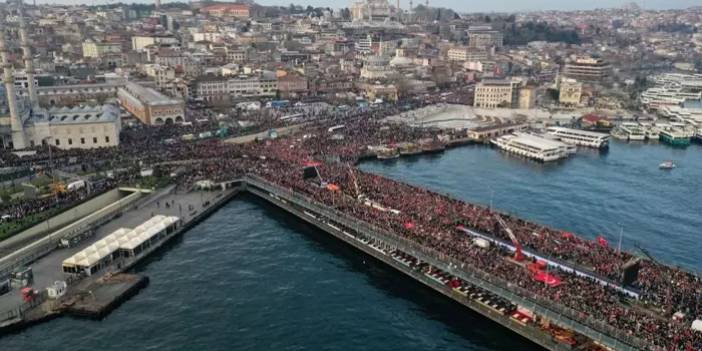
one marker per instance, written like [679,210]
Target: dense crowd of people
[428,218]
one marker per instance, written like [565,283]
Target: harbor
[86,279]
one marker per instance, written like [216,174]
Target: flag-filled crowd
[431,219]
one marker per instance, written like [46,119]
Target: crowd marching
[431,219]
[428,218]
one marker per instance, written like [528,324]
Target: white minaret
[16,126]
[157,4]
[27,56]
[370,10]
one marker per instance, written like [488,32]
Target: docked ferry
[580,137]
[534,147]
[633,131]
[675,137]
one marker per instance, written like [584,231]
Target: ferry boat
[633,131]
[580,137]
[533,147]
[675,137]
[653,134]
[409,149]
[387,154]
[433,146]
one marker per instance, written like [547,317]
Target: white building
[85,127]
[496,93]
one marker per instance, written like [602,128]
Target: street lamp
[51,165]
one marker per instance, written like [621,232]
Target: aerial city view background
[362,175]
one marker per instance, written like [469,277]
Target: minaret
[370,11]
[27,56]
[18,138]
[158,4]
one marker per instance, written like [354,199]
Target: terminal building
[150,106]
[123,245]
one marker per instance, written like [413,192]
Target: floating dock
[99,298]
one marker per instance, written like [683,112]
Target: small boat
[667,165]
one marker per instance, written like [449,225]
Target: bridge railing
[576,320]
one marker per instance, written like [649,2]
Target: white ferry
[534,147]
[633,131]
[580,137]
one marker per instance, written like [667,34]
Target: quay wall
[327,218]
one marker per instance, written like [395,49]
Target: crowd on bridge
[430,219]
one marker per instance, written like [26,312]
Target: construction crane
[518,255]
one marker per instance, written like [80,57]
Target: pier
[96,295]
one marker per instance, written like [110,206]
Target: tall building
[587,69]
[93,49]
[371,10]
[467,54]
[484,37]
[496,93]
[223,90]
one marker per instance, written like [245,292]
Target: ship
[433,146]
[580,137]
[409,149]
[675,137]
[534,147]
[633,131]
[387,153]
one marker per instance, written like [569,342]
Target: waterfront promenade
[47,269]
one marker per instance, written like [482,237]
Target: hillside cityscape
[123,126]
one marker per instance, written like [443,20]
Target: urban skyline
[461,6]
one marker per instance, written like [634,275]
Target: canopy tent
[102,251]
[94,254]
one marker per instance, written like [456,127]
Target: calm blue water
[252,278]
